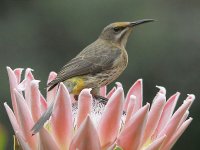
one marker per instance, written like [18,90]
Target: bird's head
[119,32]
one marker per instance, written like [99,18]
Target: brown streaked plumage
[97,65]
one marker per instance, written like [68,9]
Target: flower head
[87,124]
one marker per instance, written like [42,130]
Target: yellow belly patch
[78,83]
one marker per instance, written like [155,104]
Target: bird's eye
[117,29]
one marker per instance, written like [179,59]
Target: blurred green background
[44,35]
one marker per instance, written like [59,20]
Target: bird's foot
[124,112]
[76,97]
[101,99]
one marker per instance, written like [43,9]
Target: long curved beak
[138,22]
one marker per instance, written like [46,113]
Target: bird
[97,65]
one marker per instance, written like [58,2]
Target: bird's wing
[86,64]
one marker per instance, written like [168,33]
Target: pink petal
[109,124]
[28,78]
[43,103]
[190,97]
[25,120]
[167,113]
[21,86]
[12,118]
[131,136]
[86,138]
[52,76]
[177,135]
[51,94]
[18,73]
[162,90]
[130,108]
[183,118]
[137,90]
[13,84]
[156,144]
[154,115]
[62,124]
[35,100]
[103,91]
[84,106]
[111,92]
[119,84]
[28,74]
[46,141]
[171,127]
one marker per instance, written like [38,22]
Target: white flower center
[95,114]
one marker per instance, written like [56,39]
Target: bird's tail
[45,116]
[52,84]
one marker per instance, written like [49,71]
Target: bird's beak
[138,22]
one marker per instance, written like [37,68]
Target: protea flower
[88,124]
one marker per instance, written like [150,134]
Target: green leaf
[3,138]
[16,146]
[118,148]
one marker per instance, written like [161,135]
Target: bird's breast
[121,62]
